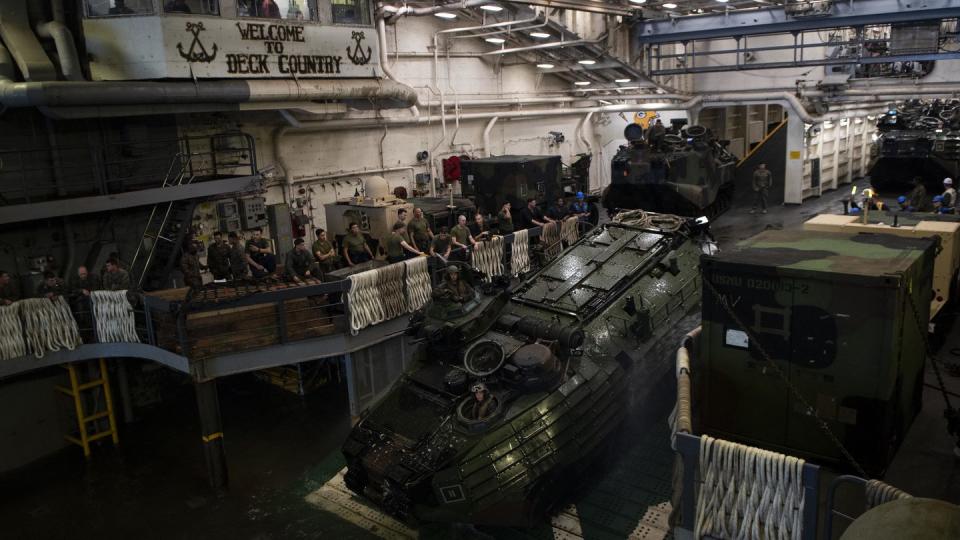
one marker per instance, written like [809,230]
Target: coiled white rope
[520,253]
[48,325]
[569,232]
[878,493]
[11,333]
[419,287]
[748,493]
[114,316]
[390,284]
[364,302]
[550,236]
[488,257]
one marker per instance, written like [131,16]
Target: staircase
[98,425]
[167,228]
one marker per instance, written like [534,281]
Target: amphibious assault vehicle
[513,390]
[919,138]
[689,173]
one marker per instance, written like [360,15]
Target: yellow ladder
[76,392]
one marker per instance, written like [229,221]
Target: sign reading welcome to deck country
[211,47]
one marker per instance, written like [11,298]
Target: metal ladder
[76,391]
[161,230]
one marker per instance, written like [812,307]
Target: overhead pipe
[542,46]
[63,41]
[74,94]
[393,13]
[486,135]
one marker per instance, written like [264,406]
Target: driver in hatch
[484,403]
[454,289]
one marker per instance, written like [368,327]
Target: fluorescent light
[723,1]
[495,40]
[446,15]
[638,1]
[582,83]
[539,35]
[587,62]
[545,66]
[670,5]
[622,80]
[491,7]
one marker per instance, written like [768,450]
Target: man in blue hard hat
[580,207]
[903,203]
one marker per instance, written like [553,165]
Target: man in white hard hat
[949,196]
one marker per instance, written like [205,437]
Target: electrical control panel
[253,213]
[228,216]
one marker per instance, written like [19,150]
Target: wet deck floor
[283,457]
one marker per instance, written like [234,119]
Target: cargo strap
[951,415]
[114,316]
[520,252]
[807,407]
[419,288]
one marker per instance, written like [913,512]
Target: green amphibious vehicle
[512,390]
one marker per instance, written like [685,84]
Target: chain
[950,412]
[783,377]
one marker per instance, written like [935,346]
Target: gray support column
[211,433]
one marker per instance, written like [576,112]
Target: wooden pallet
[336,498]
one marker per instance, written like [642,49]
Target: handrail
[762,141]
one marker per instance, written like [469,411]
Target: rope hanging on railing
[550,236]
[419,288]
[748,493]
[878,493]
[364,301]
[390,283]
[487,257]
[11,333]
[569,232]
[520,253]
[114,316]
[48,325]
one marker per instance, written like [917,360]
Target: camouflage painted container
[836,313]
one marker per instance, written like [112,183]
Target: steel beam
[592,6]
[211,433]
[120,351]
[806,63]
[144,197]
[775,21]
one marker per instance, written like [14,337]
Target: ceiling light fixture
[582,83]
[670,5]
[539,35]
[587,62]
[545,66]
[638,1]
[622,80]
[723,1]
[491,7]
[495,40]
[445,15]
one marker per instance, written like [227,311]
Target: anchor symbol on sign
[193,55]
[357,55]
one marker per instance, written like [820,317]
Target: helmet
[948,181]
[453,269]
[479,387]
[580,195]
[901,199]
[938,198]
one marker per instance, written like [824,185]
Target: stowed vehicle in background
[918,138]
[511,391]
[689,173]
